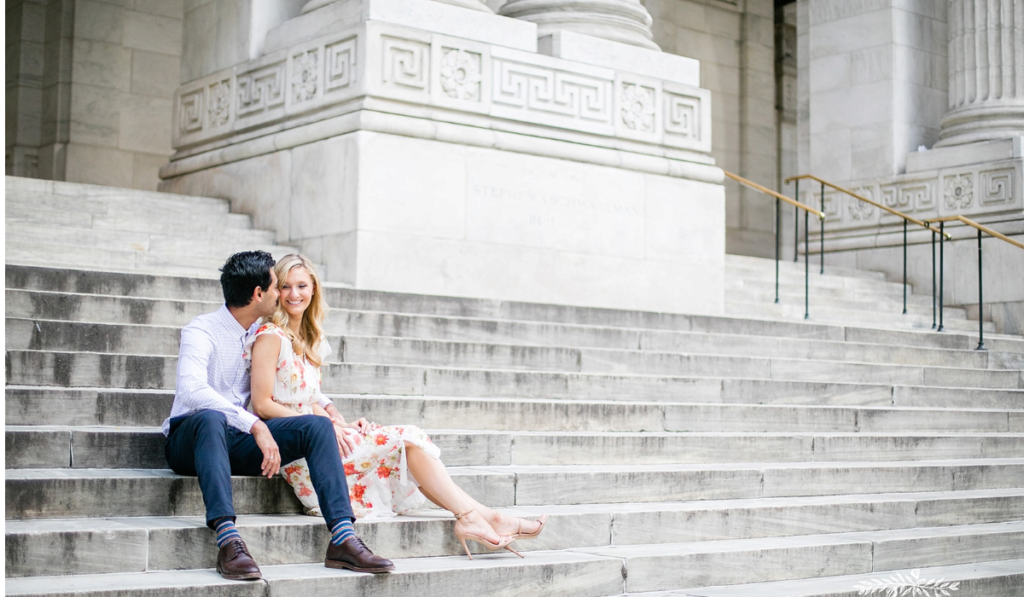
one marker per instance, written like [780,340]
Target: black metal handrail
[778,227]
[894,212]
[981,295]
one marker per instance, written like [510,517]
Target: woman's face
[297,292]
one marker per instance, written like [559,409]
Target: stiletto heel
[462,534]
[509,547]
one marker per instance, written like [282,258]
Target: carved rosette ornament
[638,107]
[859,210]
[219,105]
[460,74]
[304,76]
[959,191]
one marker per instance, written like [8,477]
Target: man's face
[269,301]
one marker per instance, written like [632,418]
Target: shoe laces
[239,547]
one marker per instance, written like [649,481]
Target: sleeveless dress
[379,482]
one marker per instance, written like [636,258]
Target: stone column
[625,21]
[986,71]
[471,4]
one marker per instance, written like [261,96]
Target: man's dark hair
[242,273]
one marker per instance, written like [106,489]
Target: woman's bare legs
[438,487]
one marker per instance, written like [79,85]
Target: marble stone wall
[876,81]
[735,43]
[25,47]
[109,73]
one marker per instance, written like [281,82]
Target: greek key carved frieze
[555,92]
[261,89]
[190,112]
[405,62]
[682,115]
[996,186]
[341,65]
[861,210]
[305,75]
[460,73]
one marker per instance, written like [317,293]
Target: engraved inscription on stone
[544,90]
[405,62]
[534,205]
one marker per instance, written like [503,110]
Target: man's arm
[193,390]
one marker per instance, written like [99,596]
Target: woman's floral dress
[379,482]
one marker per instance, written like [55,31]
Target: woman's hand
[361,425]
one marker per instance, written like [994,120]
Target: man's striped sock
[226,531]
[341,530]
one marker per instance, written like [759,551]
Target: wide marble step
[576,573]
[60,446]
[821,311]
[677,353]
[1003,578]
[91,493]
[36,406]
[111,545]
[191,289]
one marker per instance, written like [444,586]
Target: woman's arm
[265,353]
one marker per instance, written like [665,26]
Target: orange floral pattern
[379,482]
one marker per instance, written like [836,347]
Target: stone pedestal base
[385,212]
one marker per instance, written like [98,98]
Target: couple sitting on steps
[226,421]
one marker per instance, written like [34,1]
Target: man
[211,435]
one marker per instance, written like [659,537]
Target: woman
[389,469]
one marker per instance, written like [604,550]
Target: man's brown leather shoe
[235,563]
[352,554]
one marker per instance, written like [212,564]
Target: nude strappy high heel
[462,534]
[519,534]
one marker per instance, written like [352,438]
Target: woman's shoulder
[269,327]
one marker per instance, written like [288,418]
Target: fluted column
[471,4]
[986,71]
[625,21]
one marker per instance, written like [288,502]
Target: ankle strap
[466,513]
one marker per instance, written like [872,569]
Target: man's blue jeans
[203,444]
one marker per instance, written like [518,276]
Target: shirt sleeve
[194,391]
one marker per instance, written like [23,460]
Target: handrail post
[942,268]
[981,302]
[933,281]
[904,267]
[796,226]
[822,220]
[778,231]
[807,269]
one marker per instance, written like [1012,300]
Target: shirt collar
[229,322]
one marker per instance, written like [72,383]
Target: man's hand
[265,441]
[348,439]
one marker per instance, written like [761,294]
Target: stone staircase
[677,455]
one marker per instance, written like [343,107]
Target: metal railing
[981,296]
[778,228]
[894,212]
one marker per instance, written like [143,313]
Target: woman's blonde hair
[311,332]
